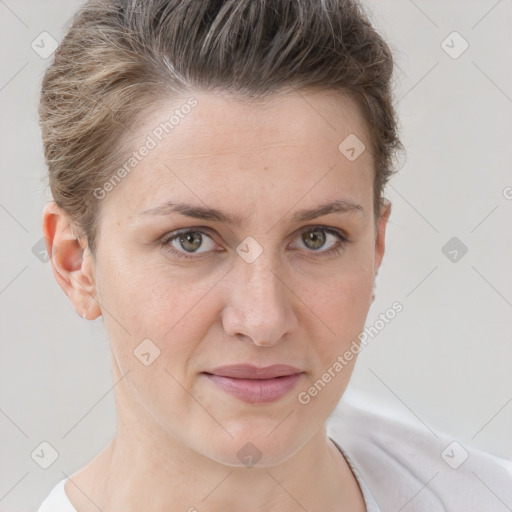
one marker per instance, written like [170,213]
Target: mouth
[255,385]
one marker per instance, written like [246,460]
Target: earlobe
[71,261]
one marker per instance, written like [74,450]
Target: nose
[259,303]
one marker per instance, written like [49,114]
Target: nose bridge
[257,264]
[261,277]
[258,303]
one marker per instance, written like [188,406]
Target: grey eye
[318,238]
[191,241]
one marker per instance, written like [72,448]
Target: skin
[177,434]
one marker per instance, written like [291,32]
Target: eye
[325,241]
[189,241]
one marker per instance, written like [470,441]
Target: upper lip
[247,371]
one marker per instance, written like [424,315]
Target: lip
[256,385]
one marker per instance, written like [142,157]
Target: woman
[218,171]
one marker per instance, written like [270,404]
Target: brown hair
[119,58]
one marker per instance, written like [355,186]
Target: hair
[120,58]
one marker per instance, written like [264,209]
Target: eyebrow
[215,214]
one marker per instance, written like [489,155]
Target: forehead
[243,151]
[227,123]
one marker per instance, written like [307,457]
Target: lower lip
[256,391]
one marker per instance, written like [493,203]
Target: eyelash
[343,241]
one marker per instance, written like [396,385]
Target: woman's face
[266,285]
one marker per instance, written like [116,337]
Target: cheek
[343,292]
[153,303]
[148,296]
[343,309]
[342,306]
[345,314]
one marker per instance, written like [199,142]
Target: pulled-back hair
[120,58]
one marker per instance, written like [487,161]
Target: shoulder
[57,500]
[409,467]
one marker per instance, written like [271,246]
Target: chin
[255,443]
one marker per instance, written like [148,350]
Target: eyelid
[177,232]
[328,229]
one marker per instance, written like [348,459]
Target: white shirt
[400,466]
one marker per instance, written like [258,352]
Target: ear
[380,241]
[71,260]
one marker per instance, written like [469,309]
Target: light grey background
[445,360]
